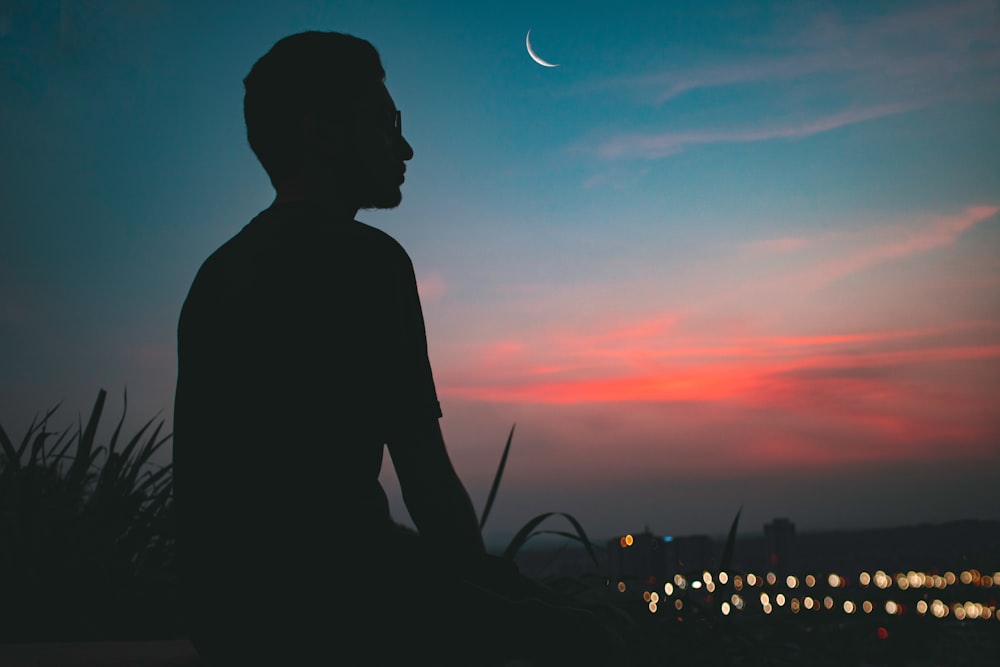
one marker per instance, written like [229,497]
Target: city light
[775,593]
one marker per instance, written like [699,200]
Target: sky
[725,255]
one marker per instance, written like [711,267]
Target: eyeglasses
[398,124]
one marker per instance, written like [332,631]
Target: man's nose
[405,149]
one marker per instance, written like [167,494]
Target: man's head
[317,111]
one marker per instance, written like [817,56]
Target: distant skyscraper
[779,539]
[692,553]
[639,556]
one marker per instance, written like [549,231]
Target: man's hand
[434,495]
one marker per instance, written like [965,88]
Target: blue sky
[742,253]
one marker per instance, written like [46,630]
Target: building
[779,543]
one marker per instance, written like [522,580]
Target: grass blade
[496,479]
[527,531]
[727,551]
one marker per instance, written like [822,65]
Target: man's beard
[373,197]
[366,188]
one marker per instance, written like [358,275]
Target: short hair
[308,70]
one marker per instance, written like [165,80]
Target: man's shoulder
[299,234]
[383,239]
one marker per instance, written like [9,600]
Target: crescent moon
[534,56]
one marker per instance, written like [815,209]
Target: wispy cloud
[878,246]
[874,63]
[653,146]
[919,49]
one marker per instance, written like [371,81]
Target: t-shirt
[301,351]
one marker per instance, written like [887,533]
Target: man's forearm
[446,517]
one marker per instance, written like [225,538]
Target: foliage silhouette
[86,534]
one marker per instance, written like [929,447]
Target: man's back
[301,345]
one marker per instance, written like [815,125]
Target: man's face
[376,153]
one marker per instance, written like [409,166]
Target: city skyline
[720,257]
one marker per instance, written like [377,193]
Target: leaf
[85,445]
[496,479]
[527,531]
[10,455]
[727,551]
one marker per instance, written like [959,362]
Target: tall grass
[86,533]
[528,530]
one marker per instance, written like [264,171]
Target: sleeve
[420,392]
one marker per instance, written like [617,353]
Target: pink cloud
[884,245]
[780,245]
[431,287]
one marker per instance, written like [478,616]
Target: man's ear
[321,135]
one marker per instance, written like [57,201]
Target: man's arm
[434,495]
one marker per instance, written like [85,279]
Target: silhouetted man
[302,353]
